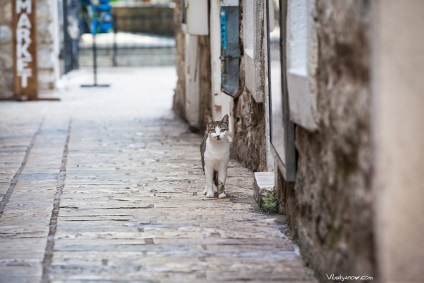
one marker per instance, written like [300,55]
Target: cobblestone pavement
[106,186]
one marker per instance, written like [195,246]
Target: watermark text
[340,277]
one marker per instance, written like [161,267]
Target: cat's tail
[215,178]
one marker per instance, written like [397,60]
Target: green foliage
[269,203]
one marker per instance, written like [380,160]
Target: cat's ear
[225,119]
[208,119]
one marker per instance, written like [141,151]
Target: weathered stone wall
[179,96]
[330,204]
[249,144]
[6,51]
[45,45]
[249,132]
[204,72]
[205,85]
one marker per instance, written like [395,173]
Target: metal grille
[137,40]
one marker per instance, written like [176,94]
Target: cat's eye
[212,131]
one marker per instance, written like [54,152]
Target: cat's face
[217,130]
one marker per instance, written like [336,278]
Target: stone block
[6,11]
[264,192]
[5,34]
[6,61]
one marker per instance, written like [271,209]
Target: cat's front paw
[210,195]
[223,195]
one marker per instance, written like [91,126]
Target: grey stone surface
[106,185]
[249,131]
[5,34]
[330,205]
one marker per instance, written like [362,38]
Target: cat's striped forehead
[220,124]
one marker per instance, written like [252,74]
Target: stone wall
[204,60]
[179,95]
[329,206]
[45,40]
[205,91]
[249,144]
[6,51]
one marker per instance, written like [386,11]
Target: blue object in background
[230,50]
[102,20]
[94,24]
[102,8]
[223,29]
[105,27]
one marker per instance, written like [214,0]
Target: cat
[215,154]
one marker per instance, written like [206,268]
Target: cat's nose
[218,137]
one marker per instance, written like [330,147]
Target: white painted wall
[398,116]
[197,17]
[301,64]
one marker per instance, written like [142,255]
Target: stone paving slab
[106,186]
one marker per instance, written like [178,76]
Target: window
[282,129]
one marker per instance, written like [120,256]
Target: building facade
[6,50]
[46,17]
[327,96]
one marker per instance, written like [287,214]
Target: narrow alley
[106,186]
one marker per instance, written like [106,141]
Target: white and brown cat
[215,153]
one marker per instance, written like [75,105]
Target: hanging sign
[24,49]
